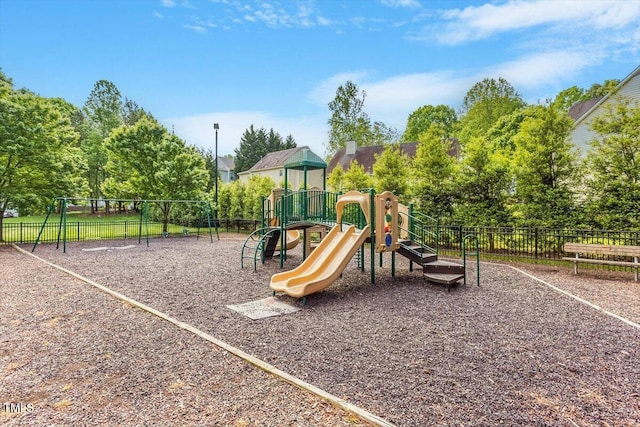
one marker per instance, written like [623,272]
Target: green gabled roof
[305,158]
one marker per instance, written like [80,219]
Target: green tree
[236,206]
[484,104]
[390,171]
[482,186]
[613,166]
[427,116]
[545,165]
[146,162]
[355,178]
[598,90]
[103,111]
[568,97]
[132,112]
[335,178]
[103,107]
[210,163]
[255,144]
[349,122]
[224,200]
[433,172]
[257,187]
[39,154]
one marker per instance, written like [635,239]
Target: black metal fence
[25,232]
[536,243]
[511,243]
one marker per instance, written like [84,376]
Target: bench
[598,249]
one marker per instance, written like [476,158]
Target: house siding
[295,178]
[582,135]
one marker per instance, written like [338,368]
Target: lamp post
[216,127]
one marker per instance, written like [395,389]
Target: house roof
[366,156]
[275,160]
[230,162]
[579,108]
[226,163]
[600,101]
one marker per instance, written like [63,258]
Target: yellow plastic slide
[293,238]
[324,265]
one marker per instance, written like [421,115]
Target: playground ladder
[260,244]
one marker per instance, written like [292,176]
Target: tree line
[110,148]
[516,165]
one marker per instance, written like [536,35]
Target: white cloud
[325,91]
[537,70]
[198,129]
[391,100]
[157,15]
[401,3]
[168,3]
[478,22]
[196,28]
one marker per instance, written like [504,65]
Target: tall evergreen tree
[433,172]
[391,170]
[255,144]
[545,165]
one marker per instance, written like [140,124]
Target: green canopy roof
[305,158]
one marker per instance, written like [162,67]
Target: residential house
[366,156]
[226,167]
[585,112]
[273,165]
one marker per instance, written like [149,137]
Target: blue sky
[277,64]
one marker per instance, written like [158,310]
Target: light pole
[216,127]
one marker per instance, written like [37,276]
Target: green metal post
[372,218]
[283,216]
[393,264]
[140,223]
[215,223]
[263,213]
[50,209]
[59,226]
[305,201]
[64,227]
[146,218]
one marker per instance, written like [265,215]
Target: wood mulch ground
[513,351]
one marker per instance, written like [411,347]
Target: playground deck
[514,351]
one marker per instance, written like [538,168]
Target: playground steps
[416,253]
[444,272]
[433,269]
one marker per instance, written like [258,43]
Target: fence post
[536,242]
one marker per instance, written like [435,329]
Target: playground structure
[353,219]
[203,216]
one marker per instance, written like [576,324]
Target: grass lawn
[83,226]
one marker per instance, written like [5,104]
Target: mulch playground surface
[514,351]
